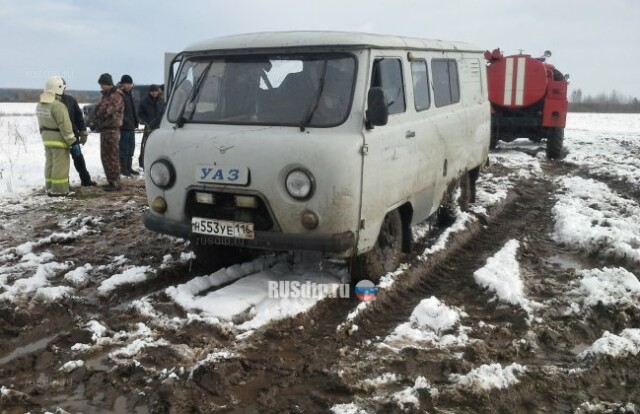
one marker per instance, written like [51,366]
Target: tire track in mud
[449,273]
[288,364]
[296,370]
[624,188]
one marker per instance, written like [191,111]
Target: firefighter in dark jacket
[57,137]
[150,113]
[109,113]
[127,130]
[81,134]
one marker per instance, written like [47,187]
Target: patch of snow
[79,277]
[591,217]
[27,285]
[409,396]
[97,330]
[488,377]
[627,343]
[53,293]
[132,275]
[80,348]
[136,346]
[433,322]
[606,408]
[602,144]
[350,408]
[213,358]
[168,260]
[607,286]
[501,275]
[382,380]
[71,366]
[247,292]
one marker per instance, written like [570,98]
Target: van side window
[421,97]
[446,89]
[387,74]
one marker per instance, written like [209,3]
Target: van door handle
[410,134]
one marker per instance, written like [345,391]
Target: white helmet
[55,84]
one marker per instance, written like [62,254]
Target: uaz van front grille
[224,208]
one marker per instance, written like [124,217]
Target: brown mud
[313,361]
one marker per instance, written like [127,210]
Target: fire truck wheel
[385,256]
[554,142]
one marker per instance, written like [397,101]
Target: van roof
[302,39]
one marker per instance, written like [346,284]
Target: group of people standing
[63,131]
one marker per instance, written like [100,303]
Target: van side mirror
[377,108]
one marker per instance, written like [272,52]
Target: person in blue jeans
[127,130]
[81,134]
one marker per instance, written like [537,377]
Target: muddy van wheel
[493,143]
[555,139]
[385,256]
[467,185]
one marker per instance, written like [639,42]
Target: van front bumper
[332,243]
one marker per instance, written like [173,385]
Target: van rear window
[299,90]
[421,98]
[446,89]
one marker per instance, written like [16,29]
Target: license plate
[233,229]
[216,174]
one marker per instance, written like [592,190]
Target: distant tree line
[614,102]
[33,95]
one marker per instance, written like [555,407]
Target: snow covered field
[530,301]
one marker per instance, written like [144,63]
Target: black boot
[112,186]
[124,168]
[130,167]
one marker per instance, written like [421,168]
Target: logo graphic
[366,291]
[224,149]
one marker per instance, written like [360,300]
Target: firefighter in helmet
[57,137]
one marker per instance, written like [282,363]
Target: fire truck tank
[516,81]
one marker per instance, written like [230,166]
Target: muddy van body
[327,141]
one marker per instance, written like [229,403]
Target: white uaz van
[327,141]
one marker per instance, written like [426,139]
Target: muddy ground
[319,359]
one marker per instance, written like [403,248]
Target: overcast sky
[596,41]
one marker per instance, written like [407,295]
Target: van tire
[386,254]
[447,211]
[555,139]
[493,142]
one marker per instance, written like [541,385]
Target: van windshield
[297,90]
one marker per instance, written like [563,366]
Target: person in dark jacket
[127,130]
[109,113]
[81,134]
[150,113]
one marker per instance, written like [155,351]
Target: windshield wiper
[308,115]
[192,94]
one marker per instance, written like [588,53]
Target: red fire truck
[528,100]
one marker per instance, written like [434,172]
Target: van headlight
[300,184]
[162,174]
